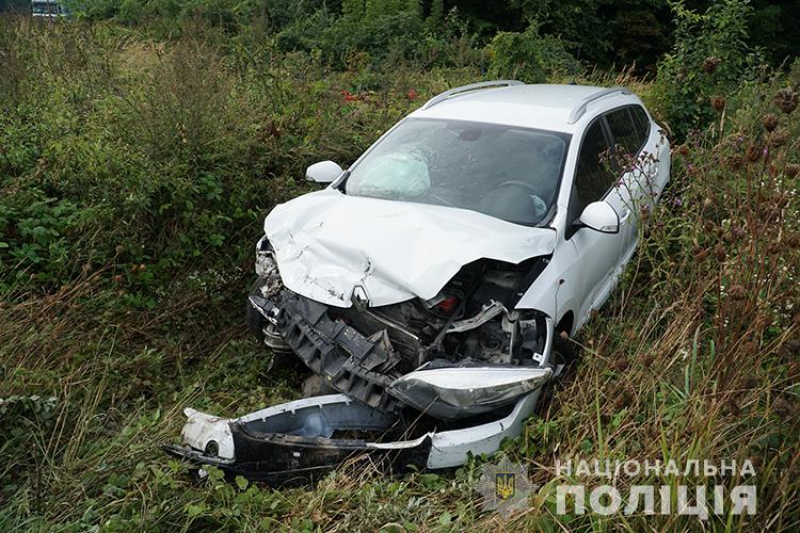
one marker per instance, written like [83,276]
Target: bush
[710,58]
[163,159]
[398,30]
[530,57]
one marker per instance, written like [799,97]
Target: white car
[427,285]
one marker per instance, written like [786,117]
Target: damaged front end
[301,441]
[420,382]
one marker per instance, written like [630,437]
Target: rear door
[631,188]
[642,155]
[656,144]
[598,253]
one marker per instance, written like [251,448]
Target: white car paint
[202,428]
[326,243]
[585,269]
[544,107]
[325,247]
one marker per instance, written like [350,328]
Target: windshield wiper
[444,201]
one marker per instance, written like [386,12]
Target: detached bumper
[432,417]
[302,440]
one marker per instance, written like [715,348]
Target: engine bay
[361,351]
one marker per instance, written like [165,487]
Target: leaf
[194,510]
[241,482]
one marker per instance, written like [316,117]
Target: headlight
[265,261]
[450,393]
[208,434]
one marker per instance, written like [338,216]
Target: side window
[626,136]
[593,175]
[642,122]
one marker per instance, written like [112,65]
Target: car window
[642,123]
[627,139]
[506,172]
[593,175]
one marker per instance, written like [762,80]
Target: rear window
[627,137]
[642,122]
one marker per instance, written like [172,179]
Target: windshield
[505,172]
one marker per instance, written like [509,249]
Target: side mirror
[601,217]
[323,172]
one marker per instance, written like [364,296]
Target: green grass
[134,177]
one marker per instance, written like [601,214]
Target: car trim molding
[579,111]
[456,91]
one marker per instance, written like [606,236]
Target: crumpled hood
[326,243]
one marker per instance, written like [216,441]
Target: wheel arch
[566,322]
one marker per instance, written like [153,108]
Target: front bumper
[366,368]
[298,441]
[433,417]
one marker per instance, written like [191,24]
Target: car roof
[545,106]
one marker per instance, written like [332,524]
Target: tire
[255,323]
[565,351]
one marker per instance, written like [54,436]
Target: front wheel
[565,351]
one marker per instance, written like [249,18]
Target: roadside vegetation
[140,149]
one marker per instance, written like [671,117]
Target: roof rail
[578,112]
[467,88]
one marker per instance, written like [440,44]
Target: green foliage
[710,58]
[159,162]
[529,56]
[337,39]
[382,30]
[604,31]
[436,15]
[598,32]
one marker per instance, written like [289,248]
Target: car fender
[555,292]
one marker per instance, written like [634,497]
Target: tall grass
[149,166]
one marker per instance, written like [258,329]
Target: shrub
[529,56]
[166,155]
[710,57]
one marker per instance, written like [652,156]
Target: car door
[634,182]
[596,269]
[657,145]
[643,155]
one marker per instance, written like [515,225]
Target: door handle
[625,215]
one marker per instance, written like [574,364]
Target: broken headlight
[265,259]
[208,434]
[450,393]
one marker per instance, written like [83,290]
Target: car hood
[327,243]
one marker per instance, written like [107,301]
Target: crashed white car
[428,284]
